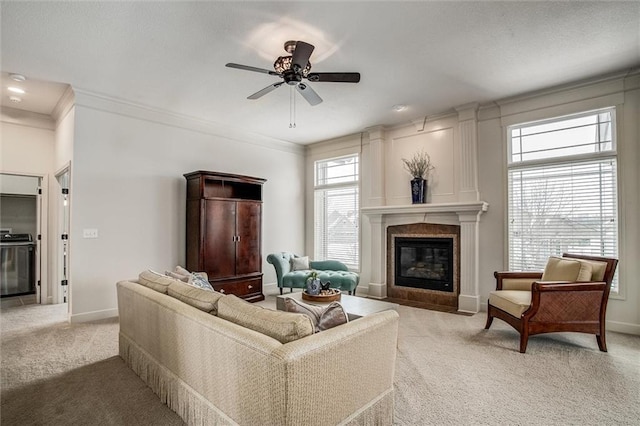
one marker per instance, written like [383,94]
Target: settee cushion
[155,281]
[205,300]
[514,302]
[564,269]
[323,317]
[282,326]
[300,263]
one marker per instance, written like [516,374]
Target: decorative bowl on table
[330,295]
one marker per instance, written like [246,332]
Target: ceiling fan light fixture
[17,77]
[283,63]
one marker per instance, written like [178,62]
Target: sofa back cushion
[156,281]
[282,326]
[205,300]
[565,269]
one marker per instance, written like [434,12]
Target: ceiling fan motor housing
[291,77]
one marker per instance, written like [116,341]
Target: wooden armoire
[224,227]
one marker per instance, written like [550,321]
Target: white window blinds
[562,190]
[336,210]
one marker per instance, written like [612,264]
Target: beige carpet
[449,371]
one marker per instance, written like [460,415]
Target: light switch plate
[90,233]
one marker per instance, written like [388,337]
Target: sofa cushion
[282,326]
[300,263]
[205,300]
[155,280]
[514,302]
[564,269]
[323,317]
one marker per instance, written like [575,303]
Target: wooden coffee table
[356,307]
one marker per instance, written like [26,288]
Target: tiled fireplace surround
[453,142]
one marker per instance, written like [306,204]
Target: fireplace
[423,265]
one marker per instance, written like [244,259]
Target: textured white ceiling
[431,56]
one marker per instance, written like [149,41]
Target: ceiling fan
[295,67]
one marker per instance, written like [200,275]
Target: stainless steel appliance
[17,265]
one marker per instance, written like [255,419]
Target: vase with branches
[419,166]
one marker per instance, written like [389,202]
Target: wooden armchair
[566,297]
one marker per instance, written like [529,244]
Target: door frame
[42,251]
[58,291]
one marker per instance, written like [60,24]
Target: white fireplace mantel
[467,215]
[458,208]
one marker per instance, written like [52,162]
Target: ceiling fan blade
[335,77]
[309,94]
[261,93]
[254,69]
[301,55]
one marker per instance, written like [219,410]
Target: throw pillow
[205,300]
[180,270]
[177,276]
[282,326]
[198,281]
[300,263]
[155,280]
[562,269]
[323,318]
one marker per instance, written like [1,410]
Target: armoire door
[248,254]
[219,244]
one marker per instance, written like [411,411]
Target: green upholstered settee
[328,270]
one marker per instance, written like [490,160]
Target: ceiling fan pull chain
[292,108]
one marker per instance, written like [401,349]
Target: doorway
[21,219]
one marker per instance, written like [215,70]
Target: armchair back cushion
[598,269]
[563,269]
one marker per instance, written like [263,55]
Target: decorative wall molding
[376,162]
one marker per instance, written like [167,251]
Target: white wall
[441,137]
[128,167]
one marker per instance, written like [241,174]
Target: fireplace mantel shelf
[458,208]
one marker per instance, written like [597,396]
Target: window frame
[356,184]
[609,154]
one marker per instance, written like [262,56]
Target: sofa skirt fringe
[175,393]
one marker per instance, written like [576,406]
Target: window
[336,210]
[562,189]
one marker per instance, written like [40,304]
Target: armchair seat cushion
[514,302]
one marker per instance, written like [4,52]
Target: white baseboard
[93,316]
[468,304]
[623,327]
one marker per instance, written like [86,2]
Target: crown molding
[101,102]
[26,118]
[64,105]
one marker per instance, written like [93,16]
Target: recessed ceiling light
[16,90]
[399,107]
[15,99]
[17,77]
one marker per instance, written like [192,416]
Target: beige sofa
[213,371]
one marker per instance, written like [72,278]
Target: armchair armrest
[544,286]
[509,280]
[564,302]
